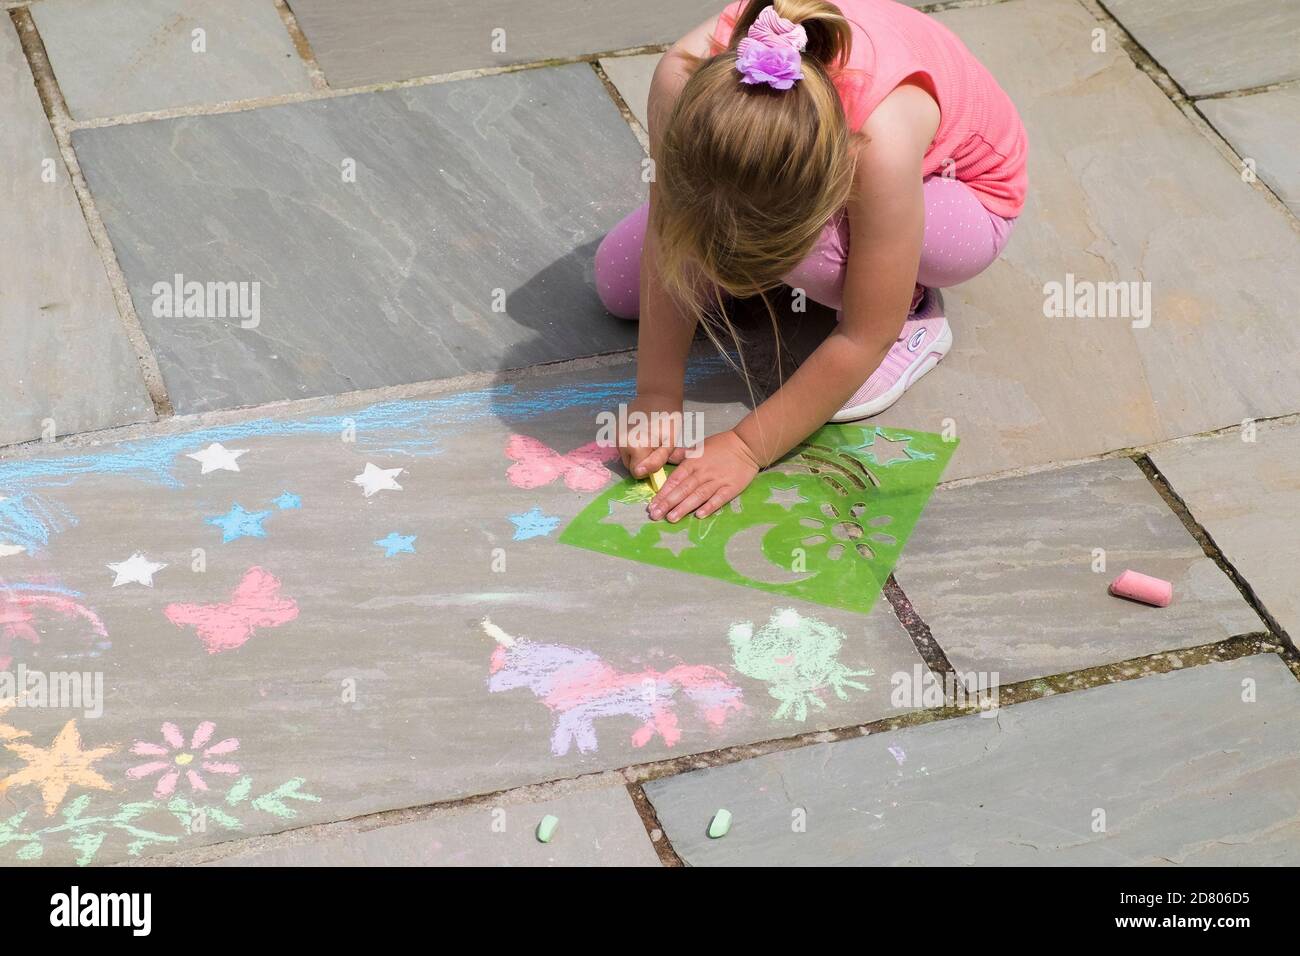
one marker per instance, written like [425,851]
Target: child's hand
[644,455]
[705,484]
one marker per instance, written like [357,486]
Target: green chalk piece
[546,829]
[720,825]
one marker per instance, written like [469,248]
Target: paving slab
[293,606]
[1003,573]
[375,239]
[66,361]
[1264,127]
[1209,46]
[1122,189]
[399,39]
[631,75]
[1176,768]
[1246,494]
[596,828]
[112,58]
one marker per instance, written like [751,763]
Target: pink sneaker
[925,340]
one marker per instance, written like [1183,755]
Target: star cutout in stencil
[57,768]
[631,516]
[886,451]
[396,544]
[287,501]
[238,523]
[216,457]
[533,524]
[375,479]
[675,541]
[787,498]
[136,569]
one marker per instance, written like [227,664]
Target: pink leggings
[961,240]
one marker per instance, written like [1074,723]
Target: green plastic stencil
[825,524]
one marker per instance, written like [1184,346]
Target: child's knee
[618,266]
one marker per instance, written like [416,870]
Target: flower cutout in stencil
[175,758]
[847,528]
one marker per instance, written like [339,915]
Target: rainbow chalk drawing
[255,603]
[582,469]
[22,604]
[174,757]
[797,657]
[578,687]
[825,524]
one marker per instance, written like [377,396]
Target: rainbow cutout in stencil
[826,524]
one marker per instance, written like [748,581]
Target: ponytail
[829,35]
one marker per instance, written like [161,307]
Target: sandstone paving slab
[1003,573]
[113,58]
[1264,127]
[1246,494]
[292,608]
[66,363]
[397,39]
[631,75]
[1183,768]
[1122,189]
[596,828]
[375,239]
[1212,46]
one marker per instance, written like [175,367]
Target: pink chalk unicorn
[578,687]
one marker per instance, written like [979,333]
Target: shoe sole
[895,392]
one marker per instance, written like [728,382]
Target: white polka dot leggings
[961,240]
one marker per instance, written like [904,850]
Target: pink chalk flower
[178,758]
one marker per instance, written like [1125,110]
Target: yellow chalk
[657,480]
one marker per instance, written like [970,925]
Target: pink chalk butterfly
[536,464]
[224,627]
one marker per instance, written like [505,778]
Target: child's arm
[886,226]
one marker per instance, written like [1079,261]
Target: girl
[858,152]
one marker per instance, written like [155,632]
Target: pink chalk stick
[1142,587]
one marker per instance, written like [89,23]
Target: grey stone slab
[398,39]
[1211,46]
[1002,571]
[66,362]
[362,679]
[464,244]
[112,58]
[1183,769]
[1245,494]
[596,828]
[1122,189]
[1265,128]
[632,76]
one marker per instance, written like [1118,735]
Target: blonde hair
[748,175]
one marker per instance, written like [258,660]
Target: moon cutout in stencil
[744,552]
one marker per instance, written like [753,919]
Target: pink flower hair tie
[769,52]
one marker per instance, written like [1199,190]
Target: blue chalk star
[287,501]
[239,523]
[533,524]
[396,544]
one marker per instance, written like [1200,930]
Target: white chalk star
[136,569]
[10,549]
[218,458]
[377,479]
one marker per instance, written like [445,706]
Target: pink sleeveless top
[980,137]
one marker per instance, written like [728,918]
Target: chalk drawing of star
[216,457]
[136,569]
[6,550]
[675,541]
[787,498]
[533,524]
[57,768]
[238,523]
[287,501]
[375,479]
[631,516]
[396,544]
